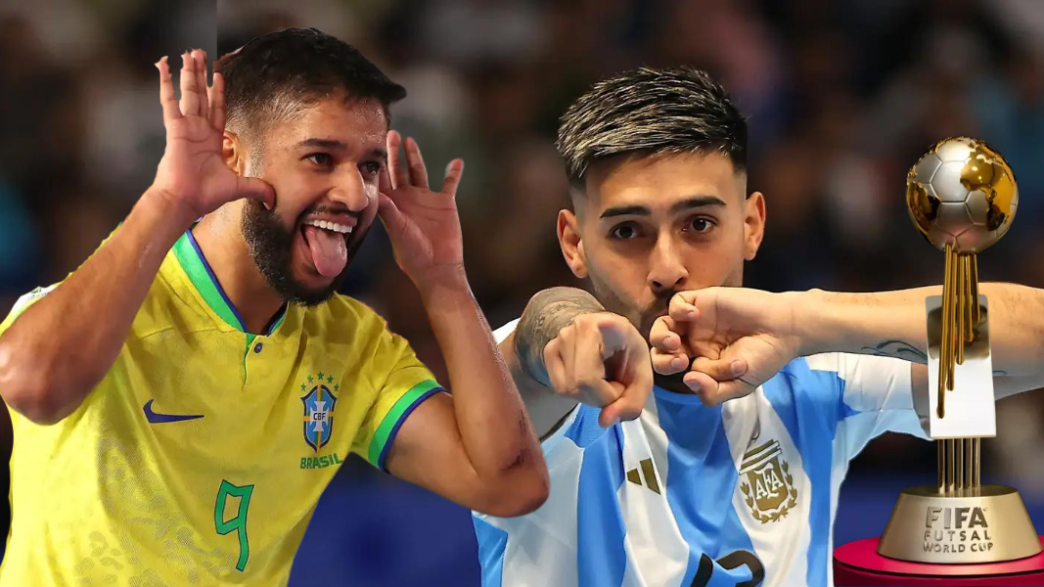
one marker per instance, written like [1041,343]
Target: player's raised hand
[601,360]
[738,337]
[423,224]
[193,174]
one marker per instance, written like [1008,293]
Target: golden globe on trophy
[962,197]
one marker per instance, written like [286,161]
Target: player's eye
[320,159]
[370,169]
[699,224]
[626,231]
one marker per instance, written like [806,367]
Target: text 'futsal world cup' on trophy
[962,197]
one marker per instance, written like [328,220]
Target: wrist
[168,206]
[531,361]
[546,314]
[445,285]
[809,327]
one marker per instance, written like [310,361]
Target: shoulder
[817,378]
[341,309]
[169,304]
[833,378]
[343,320]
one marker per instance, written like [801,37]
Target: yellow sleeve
[405,383]
[39,293]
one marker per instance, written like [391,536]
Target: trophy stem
[975,287]
[945,341]
[969,301]
[958,473]
[941,452]
[976,477]
[961,307]
[958,466]
[971,459]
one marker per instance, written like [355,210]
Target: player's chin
[312,289]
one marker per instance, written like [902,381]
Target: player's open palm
[192,173]
[423,223]
[736,336]
[601,360]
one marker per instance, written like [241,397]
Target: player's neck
[229,259]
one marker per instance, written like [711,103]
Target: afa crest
[319,404]
[769,489]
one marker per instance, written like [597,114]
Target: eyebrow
[686,204]
[335,145]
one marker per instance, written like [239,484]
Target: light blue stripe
[492,542]
[701,475]
[810,404]
[601,557]
[585,429]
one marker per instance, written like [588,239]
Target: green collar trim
[206,283]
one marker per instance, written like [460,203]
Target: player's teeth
[333,226]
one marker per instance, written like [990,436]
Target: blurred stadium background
[843,96]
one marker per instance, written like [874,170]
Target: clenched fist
[736,339]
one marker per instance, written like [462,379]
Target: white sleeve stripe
[505,331]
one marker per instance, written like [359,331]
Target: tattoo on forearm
[546,315]
[898,349]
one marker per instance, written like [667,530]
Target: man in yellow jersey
[181,401]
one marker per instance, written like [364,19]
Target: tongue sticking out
[329,252]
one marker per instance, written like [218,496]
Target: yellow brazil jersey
[200,457]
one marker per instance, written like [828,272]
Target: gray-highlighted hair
[651,111]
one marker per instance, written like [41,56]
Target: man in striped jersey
[674,487]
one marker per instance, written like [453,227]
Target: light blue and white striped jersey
[692,496]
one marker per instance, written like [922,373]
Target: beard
[271,246]
[641,317]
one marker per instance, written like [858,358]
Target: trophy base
[858,564]
[987,524]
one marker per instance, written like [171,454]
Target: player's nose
[666,268]
[350,191]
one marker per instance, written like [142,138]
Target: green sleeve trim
[389,427]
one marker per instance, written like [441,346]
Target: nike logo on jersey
[155,418]
[647,470]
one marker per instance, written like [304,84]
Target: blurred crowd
[843,96]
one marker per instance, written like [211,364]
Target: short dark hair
[651,111]
[271,77]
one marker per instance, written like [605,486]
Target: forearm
[894,324]
[495,432]
[546,314]
[61,347]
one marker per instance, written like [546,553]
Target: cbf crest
[768,489]
[319,404]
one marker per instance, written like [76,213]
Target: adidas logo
[647,472]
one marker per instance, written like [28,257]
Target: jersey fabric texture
[693,496]
[200,457]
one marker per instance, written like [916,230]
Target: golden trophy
[962,197]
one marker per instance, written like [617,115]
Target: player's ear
[233,152]
[753,224]
[571,243]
